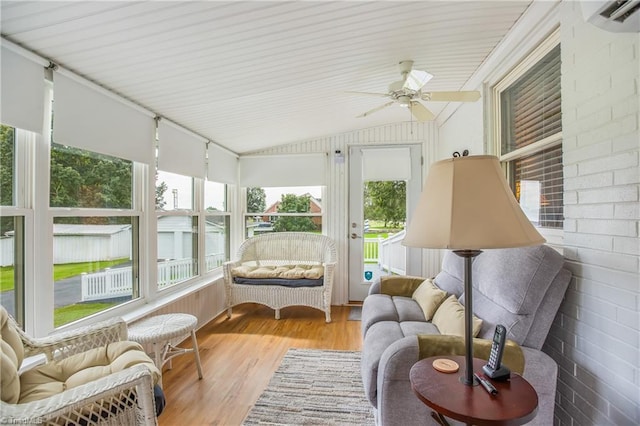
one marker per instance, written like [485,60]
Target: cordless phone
[494,368]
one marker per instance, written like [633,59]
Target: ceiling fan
[408,93]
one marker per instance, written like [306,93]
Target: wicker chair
[277,249]
[124,397]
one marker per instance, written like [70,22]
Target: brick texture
[595,337]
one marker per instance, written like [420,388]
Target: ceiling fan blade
[420,112]
[468,96]
[368,93]
[375,109]
[416,79]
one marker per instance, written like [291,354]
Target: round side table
[516,402]
[160,329]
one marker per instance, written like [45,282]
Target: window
[7,165]
[530,135]
[280,209]
[85,179]
[217,225]
[12,228]
[177,229]
[95,233]
[174,192]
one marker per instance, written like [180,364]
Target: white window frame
[322,215]
[135,212]
[22,195]
[203,227]
[197,192]
[42,315]
[554,236]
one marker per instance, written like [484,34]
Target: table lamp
[466,205]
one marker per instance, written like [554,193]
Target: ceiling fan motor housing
[397,91]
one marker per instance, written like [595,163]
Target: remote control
[486,385]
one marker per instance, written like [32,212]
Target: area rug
[314,387]
[355,313]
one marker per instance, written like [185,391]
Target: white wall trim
[539,20]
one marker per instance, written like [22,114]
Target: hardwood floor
[239,356]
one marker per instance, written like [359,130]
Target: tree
[160,190]
[83,179]
[87,180]
[386,201]
[64,186]
[256,200]
[6,175]
[291,203]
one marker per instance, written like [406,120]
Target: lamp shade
[466,204]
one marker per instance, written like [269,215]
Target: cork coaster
[444,365]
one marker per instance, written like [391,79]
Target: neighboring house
[75,243]
[176,237]
[315,206]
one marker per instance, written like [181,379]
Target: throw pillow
[449,318]
[429,297]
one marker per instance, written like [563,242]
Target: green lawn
[68,270]
[377,228]
[60,272]
[374,234]
[70,313]
[6,278]
[67,314]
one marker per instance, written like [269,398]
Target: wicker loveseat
[282,269]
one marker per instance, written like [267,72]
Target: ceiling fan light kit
[404,101]
[408,93]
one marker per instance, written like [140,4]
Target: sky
[275,194]
[214,192]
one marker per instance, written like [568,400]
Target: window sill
[141,311]
[168,297]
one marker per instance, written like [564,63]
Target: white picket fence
[389,253]
[392,255]
[371,249]
[117,282]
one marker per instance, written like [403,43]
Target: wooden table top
[516,402]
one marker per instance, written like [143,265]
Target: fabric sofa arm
[396,285]
[438,344]
[541,371]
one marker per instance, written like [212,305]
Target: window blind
[545,168]
[383,164]
[285,170]
[223,166]
[531,106]
[180,151]
[86,118]
[22,82]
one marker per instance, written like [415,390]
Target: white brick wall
[596,337]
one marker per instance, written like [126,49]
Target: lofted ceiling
[255,74]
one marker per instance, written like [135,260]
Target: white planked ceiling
[254,74]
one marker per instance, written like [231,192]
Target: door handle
[354,236]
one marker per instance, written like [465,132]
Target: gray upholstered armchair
[520,288]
